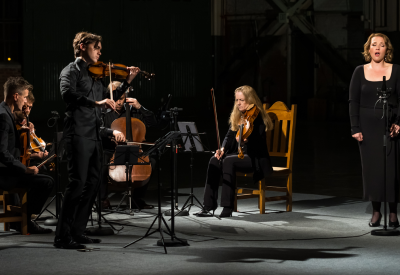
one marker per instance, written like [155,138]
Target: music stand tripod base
[385,232]
[183,212]
[99,231]
[174,242]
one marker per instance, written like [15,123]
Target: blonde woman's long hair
[250,97]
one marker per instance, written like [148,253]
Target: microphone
[163,110]
[55,114]
[384,84]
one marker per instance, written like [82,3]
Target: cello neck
[128,119]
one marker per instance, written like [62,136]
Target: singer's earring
[385,57]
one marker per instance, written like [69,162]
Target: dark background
[192,45]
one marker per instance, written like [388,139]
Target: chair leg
[235,202]
[5,202]
[289,194]
[261,201]
[24,222]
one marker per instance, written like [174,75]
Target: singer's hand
[394,130]
[358,137]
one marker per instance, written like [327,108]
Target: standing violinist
[148,118]
[14,174]
[226,161]
[84,97]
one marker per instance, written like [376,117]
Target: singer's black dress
[363,118]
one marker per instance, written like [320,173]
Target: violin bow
[111,85]
[216,118]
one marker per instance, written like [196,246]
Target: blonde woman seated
[226,163]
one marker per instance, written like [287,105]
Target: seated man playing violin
[149,120]
[20,119]
[14,174]
[84,96]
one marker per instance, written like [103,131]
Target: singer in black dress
[367,126]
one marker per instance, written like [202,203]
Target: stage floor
[323,235]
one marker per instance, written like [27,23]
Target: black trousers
[84,158]
[137,194]
[40,187]
[227,168]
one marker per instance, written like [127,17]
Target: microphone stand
[384,95]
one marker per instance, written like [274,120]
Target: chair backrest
[280,139]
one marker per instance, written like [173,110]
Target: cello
[134,131]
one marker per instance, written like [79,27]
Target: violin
[25,141]
[134,131]
[30,143]
[246,126]
[118,71]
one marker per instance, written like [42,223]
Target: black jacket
[10,165]
[256,148]
[80,92]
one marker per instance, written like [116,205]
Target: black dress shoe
[67,243]
[226,212]
[34,228]
[85,239]
[141,204]
[394,224]
[377,223]
[205,212]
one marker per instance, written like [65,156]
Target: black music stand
[193,144]
[127,155]
[124,155]
[158,148]
[173,122]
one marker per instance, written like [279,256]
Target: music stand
[58,150]
[158,148]
[193,144]
[127,155]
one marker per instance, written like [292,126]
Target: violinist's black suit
[82,134]
[12,171]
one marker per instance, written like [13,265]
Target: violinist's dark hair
[16,85]
[85,38]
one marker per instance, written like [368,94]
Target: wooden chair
[280,144]
[12,213]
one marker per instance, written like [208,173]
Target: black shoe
[85,239]
[394,224]
[226,212]
[141,204]
[67,243]
[377,223]
[205,212]
[34,228]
